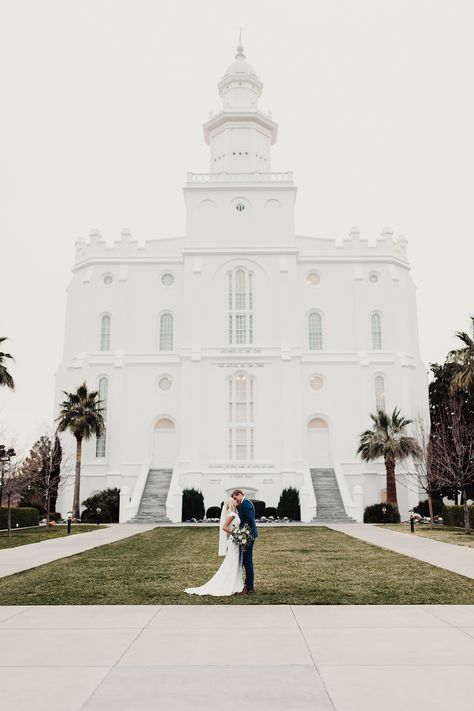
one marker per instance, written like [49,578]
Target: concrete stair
[329,506]
[153,504]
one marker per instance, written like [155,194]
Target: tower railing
[240,177]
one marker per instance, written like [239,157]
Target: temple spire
[240,50]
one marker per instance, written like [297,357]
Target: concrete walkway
[457,559]
[14,560]
[261,658]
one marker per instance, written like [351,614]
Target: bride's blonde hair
[229,504]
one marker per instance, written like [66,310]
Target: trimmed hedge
[271,511]
[108,501]
[374,514]
[454,516]
[424,510]
[22,515]
[213,512]
[259,507]
[193,505]
[289,504]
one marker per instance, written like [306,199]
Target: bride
[228,579]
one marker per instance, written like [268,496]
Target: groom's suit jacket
[247,515]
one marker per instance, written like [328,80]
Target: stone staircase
[329,506]
[153,504]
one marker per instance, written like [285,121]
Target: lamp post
[5,457]
[69,521]
[384,511]
[98,512]
[412,522]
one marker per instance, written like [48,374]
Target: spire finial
[240,50]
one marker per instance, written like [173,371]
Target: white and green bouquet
[242,537]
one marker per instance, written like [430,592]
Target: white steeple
[240,136]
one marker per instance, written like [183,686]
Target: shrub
[193,504]
[271,511]
[259,507]
[289,504]
[423,508]
[454,516]
[22,515]
[108,501]
[26,503]
[374,514]
[213,512]
[55,516]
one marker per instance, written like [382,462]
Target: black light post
[69,521]
[98,512]
[384,511]
[412,522]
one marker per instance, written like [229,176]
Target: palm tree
[5,377]
[81,414]
[386,439]
[463,378]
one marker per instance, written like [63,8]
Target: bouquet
[242,537]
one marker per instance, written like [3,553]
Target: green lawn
[22,536]
[304,565]
[445,534]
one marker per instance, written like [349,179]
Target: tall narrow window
[105,333]
[241,416]
[379,393]
[166,332]
[376,332]
[101,441]
[240,305]
[315,330]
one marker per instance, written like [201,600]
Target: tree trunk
[391,483]
[9,517]
[430,506]
[467,523]
[77,479]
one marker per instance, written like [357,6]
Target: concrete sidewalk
[208,658]
[14,560]
[457,559]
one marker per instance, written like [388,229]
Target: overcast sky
[102,109]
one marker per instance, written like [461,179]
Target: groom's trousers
[247,562]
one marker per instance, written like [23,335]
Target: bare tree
[14,484]
[452,453]
[425,473]
[42,469]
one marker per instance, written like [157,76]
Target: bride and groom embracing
[237,514]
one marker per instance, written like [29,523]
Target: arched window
[166,332]
[100,445]
[241,416]
[105,333]
[315,331]
[379,393]
[240,305]
[376,332]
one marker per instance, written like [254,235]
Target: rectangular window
[240,329]
[100,446]
[251,444]
[230,292]
[230,445]
[250,328]
[250,292]
[230,330]
[241,444]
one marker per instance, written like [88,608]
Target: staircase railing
[308,503]
[129,508]
[174,500]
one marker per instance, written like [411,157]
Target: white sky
[102,105]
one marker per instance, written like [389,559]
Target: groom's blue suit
[247,516]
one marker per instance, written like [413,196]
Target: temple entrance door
[164,444]
[319,455]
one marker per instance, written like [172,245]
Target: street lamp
[384,511]
[69,521]
[98,512]
[5,456]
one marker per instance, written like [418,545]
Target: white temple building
[241,354]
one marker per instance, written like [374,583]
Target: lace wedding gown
[228,579]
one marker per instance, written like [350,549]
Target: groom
[247,516]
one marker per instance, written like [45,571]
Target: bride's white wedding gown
[228,579]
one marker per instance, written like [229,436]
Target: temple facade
[241,354]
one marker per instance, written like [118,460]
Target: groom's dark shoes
[247,591]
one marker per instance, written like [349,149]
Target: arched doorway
[164,444]
[319,455]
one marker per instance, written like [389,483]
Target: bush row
[289,506]
[374,514]
[454,516]
[23,516]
